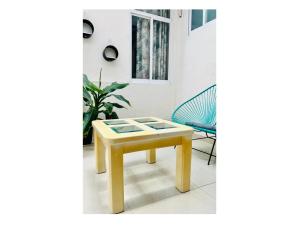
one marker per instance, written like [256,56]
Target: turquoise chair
[199,112]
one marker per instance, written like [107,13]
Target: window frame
[151,17]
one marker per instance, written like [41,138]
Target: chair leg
[211,152]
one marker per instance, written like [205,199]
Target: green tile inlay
[145,120]
[159,126]
[126,129]
[115,122]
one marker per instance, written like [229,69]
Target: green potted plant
[95,98]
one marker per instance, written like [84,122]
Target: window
[140,48]
[158,12]
[198,17]
[210,15]
[150,44]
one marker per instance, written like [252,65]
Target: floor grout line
[206,184]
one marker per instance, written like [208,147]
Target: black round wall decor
[110,53]
[88,28]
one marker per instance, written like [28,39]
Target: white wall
[191,66]
[199,61]
[114,27]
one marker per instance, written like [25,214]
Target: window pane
[140,48]
[158,12]
[160,50]
[197,18]
[210,15]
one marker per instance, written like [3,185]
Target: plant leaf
[88,117]
[100,78]
[114,86]
[121,98]
[117,105]
[87,97]
[89,85]
[86,120]
[109,107]
[113,115]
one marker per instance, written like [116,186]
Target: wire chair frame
[201,109]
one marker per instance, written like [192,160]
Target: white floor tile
[194,201]
[210,189]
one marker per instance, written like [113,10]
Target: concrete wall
[199,61]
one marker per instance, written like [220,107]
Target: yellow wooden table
[146,134]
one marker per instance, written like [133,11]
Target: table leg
[99,153]
[183,164]
[151,155]
[115,179]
